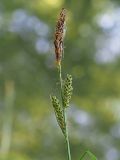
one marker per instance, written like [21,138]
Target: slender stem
[67,142]
[65,119]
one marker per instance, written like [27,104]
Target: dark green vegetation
[28,129]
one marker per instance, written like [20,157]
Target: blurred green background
[28,75]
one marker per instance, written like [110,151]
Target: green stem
[65,119]
[67,142]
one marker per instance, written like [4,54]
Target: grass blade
[87,155]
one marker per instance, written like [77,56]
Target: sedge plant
[66,88]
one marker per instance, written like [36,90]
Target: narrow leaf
[87,155]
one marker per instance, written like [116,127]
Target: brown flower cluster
[59,35]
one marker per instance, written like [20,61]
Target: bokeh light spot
[54,3]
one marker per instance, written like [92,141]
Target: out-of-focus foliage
[28,129]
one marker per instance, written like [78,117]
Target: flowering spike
[67,90]
[59,36]
[59,113]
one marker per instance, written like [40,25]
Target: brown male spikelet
[59,35]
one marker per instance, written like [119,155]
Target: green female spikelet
[67,90]
[59,113]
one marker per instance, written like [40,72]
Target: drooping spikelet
[59,35]
[59,113]
[67,90]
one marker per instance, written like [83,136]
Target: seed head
[59,113]
[67,90]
